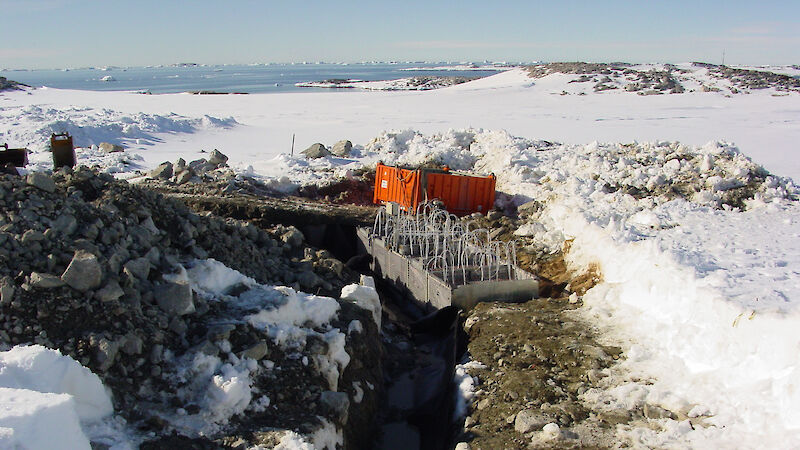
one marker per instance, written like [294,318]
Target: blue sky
[64,33]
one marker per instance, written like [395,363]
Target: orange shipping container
[461,194]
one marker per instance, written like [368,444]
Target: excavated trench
[420,349]
[545,367]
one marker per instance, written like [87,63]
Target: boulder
[184,177]
[217,158]
[530,420]
[111,291]
[163,171]
[316,151]
[175,298]
[342,148]
[293,237]
[106,351]
[108,147]
[84,272]
[7,289]
[257,351]
[365,297]
[42,181]
[45,281]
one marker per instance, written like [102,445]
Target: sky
[37,34]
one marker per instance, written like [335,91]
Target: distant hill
[654,79]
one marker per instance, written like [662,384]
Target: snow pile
[44,397]
[326,438]
[288,317]
[465,387]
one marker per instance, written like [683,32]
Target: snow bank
[702,295]
[40,369]
[43,397]
[37,420]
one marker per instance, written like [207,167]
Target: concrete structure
[429,288]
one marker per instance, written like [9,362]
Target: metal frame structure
[441,258]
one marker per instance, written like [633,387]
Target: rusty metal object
[63,150]
[16,156]
[461,194]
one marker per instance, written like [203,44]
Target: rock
[180,165]
[657,412]
[163,171]
[184,177]
[217,158]
[7,289]
[221,332]
[84,272]
[463,446]
[174,298]
[529,420]
[316,151]
[138,268]
[106,351]
[178,326]
[32,236]
[45,281]
[110,292]
[483,404]
[336,402]
[494,214]
[334,265]
[133,345]
[308,280]
[551,430]
[65,224]
[108,147]
[365,297]
[257,352]
[293,237]
[342,148]
[41,181]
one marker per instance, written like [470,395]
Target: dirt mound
[93,267]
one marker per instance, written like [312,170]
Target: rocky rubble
[93,267]
[10,85]
[744,79]
[665,78]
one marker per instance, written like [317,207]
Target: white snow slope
[704,299]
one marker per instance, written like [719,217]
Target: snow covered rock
[530,420]
[108,147]
[342,148]
[316,151]
[164,171]
[366,297]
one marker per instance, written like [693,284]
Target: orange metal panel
[461,194]
[396,185]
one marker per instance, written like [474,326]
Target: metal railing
[446,245]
